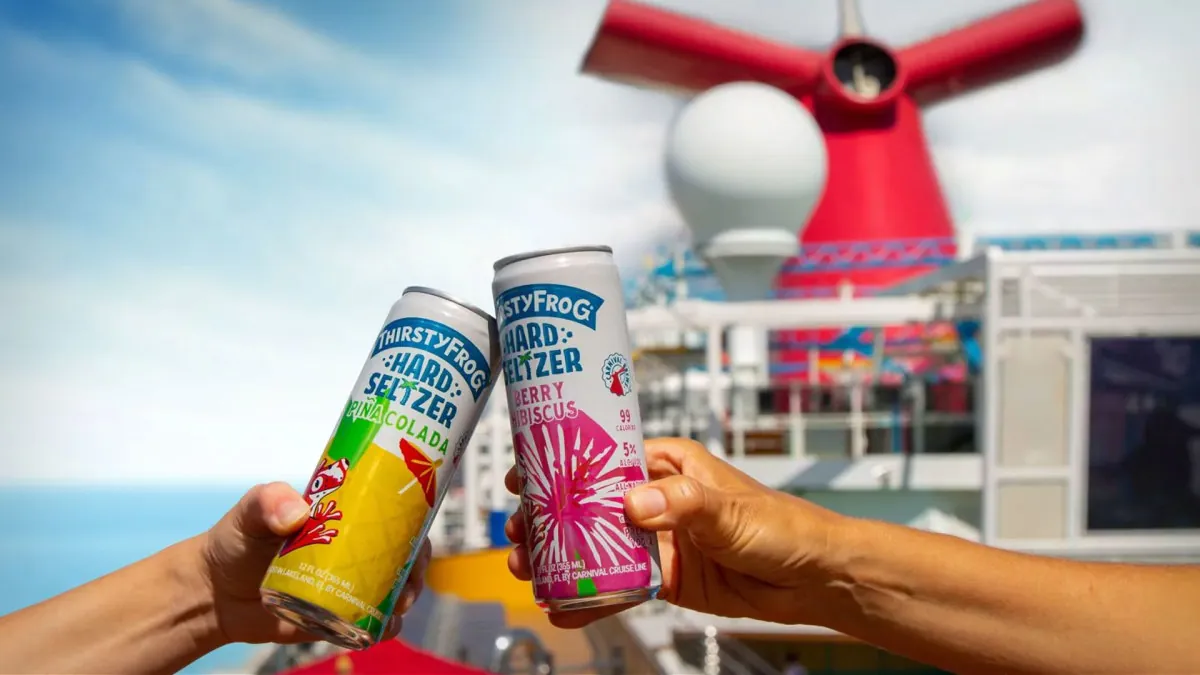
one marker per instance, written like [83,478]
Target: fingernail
[291,512]
[647,502]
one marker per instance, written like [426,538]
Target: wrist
[834,547]
[825,596]
[192,595]
[863,578]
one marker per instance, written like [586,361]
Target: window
[1144,434]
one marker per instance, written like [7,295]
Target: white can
[577,431]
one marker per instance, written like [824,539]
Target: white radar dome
[746,166]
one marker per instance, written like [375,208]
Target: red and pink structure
[882,217]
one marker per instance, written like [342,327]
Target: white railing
[804,432]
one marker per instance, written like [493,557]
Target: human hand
[231,560]
[729,545]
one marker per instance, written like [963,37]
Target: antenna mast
[850,23]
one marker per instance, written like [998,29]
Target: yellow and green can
[386,469]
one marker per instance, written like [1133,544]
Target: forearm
[974,609]
[150,617]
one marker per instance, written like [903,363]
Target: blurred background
[207,206]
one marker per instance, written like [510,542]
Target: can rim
[450,298]
[540,253]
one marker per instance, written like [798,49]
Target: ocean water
[58,538]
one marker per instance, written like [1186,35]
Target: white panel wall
[1041,310]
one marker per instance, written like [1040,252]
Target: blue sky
[206,206]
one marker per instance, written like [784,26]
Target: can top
[449,298]
[508,260]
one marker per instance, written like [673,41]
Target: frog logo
[326,480]
[617,377]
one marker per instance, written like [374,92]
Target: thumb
[239,547]
[683,503]
[268,513]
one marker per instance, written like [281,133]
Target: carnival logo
[616,375]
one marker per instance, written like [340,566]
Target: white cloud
[246,40]
[177,379]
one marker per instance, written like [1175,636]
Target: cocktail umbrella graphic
[424,470]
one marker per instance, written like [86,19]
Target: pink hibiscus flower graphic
[574,503]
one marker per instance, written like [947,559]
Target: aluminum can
[577,434]
[386,468]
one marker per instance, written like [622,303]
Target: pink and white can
[577,431]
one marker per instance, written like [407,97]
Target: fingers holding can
[416,580]
[514,527]
[518,558]
[519,565]
[512,481]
